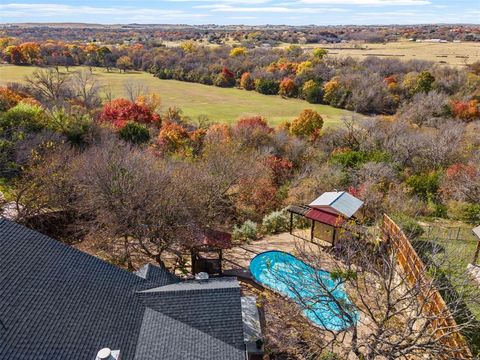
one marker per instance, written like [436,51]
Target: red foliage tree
[460,169]
[281,168]
[252,132]
[119,111]
[254,122]
[466,110]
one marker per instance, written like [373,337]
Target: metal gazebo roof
[337,202]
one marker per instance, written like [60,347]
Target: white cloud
[268,9]
[60,10]
[369,2]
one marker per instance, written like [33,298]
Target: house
[58,303]
[327,214]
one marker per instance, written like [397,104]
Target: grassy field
[454,54]
[220,105]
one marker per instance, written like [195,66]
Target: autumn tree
[119,111]
[247,82]
[466,110]
[312,92]
[319,53]
[124,63]
[287,88]
[238,51]
[226,78]
[308,123]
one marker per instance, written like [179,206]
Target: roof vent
[201,276]
[107,354]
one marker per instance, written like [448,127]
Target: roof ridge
[340,194]
[194,285]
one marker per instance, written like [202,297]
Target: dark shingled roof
[59,303]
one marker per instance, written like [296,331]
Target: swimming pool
[284,273]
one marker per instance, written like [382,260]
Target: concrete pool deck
[239,257]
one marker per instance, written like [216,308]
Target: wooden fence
[443,325]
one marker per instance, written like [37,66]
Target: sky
[249,12]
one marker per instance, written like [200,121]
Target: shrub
[266,86]
[466,111]
[173,137]
[120,111]
[319,53]
[471,213]
[276,222]
[308,123]
[352,158]
[335,93]
[287,88]
[410,227]
[424,82]
[312,92]
[8,98]
[74,125]
[281,168]
[246,232]
[247,82]
[134,133]
[424,185]
[238,51]
[25,116]
[225,79]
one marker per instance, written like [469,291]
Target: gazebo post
[312,230]
[291,222]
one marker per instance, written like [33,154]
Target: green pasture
[218,104]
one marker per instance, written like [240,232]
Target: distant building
[58,303]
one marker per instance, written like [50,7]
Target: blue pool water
[284,273]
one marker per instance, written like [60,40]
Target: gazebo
[207,252]
[327,214]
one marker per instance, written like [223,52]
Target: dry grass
[453,54]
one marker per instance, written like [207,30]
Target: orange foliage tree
[173,137]
[288,88]
[247,82]
[466,110]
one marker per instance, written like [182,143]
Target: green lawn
[220,105]
[455,242]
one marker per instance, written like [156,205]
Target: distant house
[327,214]
[58,303]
